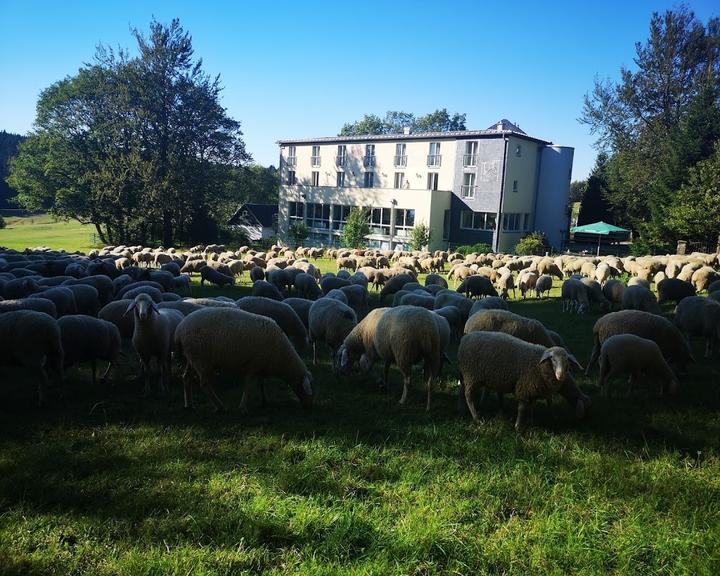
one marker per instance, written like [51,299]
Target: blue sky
[301,69]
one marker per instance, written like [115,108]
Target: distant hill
[8,148]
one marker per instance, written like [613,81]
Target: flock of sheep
[59,310]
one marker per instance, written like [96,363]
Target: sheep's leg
[708,347]
[145,365]
[210,392]
[429,380]
[187,388]
[470,400]
[406,386]
[524,410]
[593,355]
[104,377]
[314,352]
[386,372]
[245,395]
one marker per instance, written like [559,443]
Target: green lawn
[127,485]
[43,230]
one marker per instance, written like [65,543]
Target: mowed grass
[44,230]
[120,484]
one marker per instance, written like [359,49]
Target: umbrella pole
[598,252]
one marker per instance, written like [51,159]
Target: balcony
[315,160]
[291,160]
[400,161]
[467,191]
[434,159]
[340,160]
[469,160]
[369,161]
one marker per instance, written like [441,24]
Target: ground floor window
[380,221]
[318,215]
[470,220]
[296,212]
[340,214]
[515,222]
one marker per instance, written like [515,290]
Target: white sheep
[574,296]
[696,316]
[330,321]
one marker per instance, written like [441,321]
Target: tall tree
[8,148]
[594,205]
[396,121]
[659,120]
[140,147]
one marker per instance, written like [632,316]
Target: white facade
[469,187]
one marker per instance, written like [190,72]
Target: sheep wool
[527,329]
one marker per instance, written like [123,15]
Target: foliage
[3,224]
[594,205]
[139,147]
[299,232]
[649,245]
[659,120]
[8,148]
[420,236]
[395,122]
[695,211]
[481,248]
[357,227]
[534,243]
[577,190]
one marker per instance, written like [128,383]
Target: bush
[420,236]
[299,232]
[645,247]
[534,243]
[2,223]
[480,248]
[357,226]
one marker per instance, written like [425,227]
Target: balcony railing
[315,160]
[434,159]
[400,160]
[467,191]
[469,159]
[369,161]
[291,160]
[340,160]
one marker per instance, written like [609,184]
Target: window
[399,179]
[515,185]
[340,214]
[526,218]
[340,158]
[470,156]
[404,218]
[518,150]
[318,216]
[434,157]
[511,222]
[467,190]
[296,211]
[369,156]
[432,181]
[291,158]
[380,221]
[470,220]
[369,179]
[316,178]
[291,178]
[315,158]
[340,179]
[400,156]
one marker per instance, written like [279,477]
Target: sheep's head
[143,306]
[561,361]
[304,391]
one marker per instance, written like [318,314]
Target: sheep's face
[561,362]
[304,392]
[143,306]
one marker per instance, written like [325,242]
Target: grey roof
[505,124]
[263,214]
[509,129]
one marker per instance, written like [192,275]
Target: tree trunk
[167,236]
[100,233]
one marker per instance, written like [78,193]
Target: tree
[594,205]
[659,120]
[139,147]
[357,226]
[577,190]
[695,212]
[395,122]
[420,236]
[299,232]
[8,148]
[534,243]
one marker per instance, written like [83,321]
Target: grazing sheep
[405,336]
[595,294]
[32,340]
[263,288]
[88,339]
[239,343]
[183,306]
[674,290]
[696,316]
[574,296]
[630,354]
[209,274]
[115,313]
[505,364]
[155,294]
[450,298]
[395,284]
[637,281]
[640,298]
[415,299]
[153,337]
[543,285]
[357,298]
[121,291]
[103,284]
[454,319]
[330,322]
[478,286]
[307,287]
[714,287]
[301,307]
[257,273]
[62,297]
[505,283]
[361,341]
[281,313]
[30,303]
[435,280]
[703,277]
[87,299]
[527,329]
[672,344]
[489,303]
[613,290]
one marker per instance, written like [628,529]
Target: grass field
[43,230]
[126,485]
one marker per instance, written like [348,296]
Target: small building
[257,221]
[472,186]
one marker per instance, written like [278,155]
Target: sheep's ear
[155,308]
[130,308]
[574,362]
[547,355]
[307,384]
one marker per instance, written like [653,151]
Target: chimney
[500,125]
[406,130]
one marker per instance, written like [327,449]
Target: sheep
[330,322]
[527,329]
[32,340]
[454,318]
[674,290]
[357,298]
[543,285]
[337,294]
[263,288]
[359,343]
[183,306]
[301,307]
[242,344]
[477,286]
[628,353]
[281,313]
[121,292]
[115,312]
[396,283]
[153,337]
[306,287]
[672,344]
[613,290]
[696,316]
[435,280]
[703,277]
[88,339]
[328,283]
[210,302]
[62,297]
[640,298]
[505,364]
[489,303]
[152,292]
[87,299]
[103,284]
[713,287]
[527,281]
[574,295]
[30,303]
[595,294]
[505,283]
[450,298]
[636,281]
[415,299]
[209,274]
